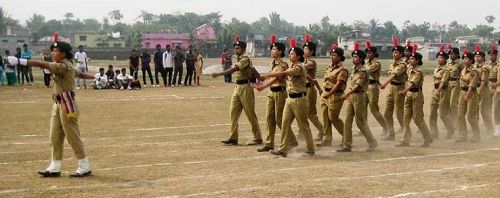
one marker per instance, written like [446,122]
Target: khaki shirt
[279,67]
[495,67]
[359,78]
[64,76]
[469,77]
[399,68]
[484,72]
[441,75]
[296,79]
[416,76]
[335,73]
[373,68]
[245,67]
[310,65]
[455,68]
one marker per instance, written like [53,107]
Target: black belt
[309,84]
[415,89]
[278,89]
[493,80]
[454,79]
[396,83]
[436,86]
[297,95]
[242,82]
[358,91]
[466,88]
[371,82]
[338,91]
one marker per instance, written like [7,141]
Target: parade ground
[165,142]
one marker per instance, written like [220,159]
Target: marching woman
[440,101]
[331,103]
[297,104]
[414,101]
[495,83]
[65,112]
[310,65]
[277,95]
[483,90]
[468,103]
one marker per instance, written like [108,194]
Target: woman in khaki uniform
[64,118]
[468,103]
[373,67]
[297,104]
[277,95]
[414,101]
[483,90]
[495,83]
[243,98]
[395,101]
[357,101]
[455,67]
[440,101]
[310,65]
[331,103]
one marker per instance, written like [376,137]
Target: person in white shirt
[168,65]
[81,65]
[100,80]
[124,79]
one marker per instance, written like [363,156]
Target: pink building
[150,40]
[205,33]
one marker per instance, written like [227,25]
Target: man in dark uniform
[178,61]
[158,56]
[190,58]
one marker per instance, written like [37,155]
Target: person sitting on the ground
[124,80]
[117,72]
[100,80]
[111,77]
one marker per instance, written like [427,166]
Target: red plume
[273,39]
[356,46]
[493,47]
[415,47]
[441,48]
[368,44]
[395,41]
[450,47]
[307,38]
[334,46]
[408,43]
[293,43]
[477,48]
[237,38]
[466,51]
[56,37]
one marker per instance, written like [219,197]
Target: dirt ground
[164,142]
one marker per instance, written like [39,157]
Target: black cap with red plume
[338,51]
[396,46]
[239,43]
[357,51]
[280,46]
[417,56]
[442,52]
[62,46]
[408,46]
[309,44]
[370,48]
[478,51]
[299,51]
[453,50]
[493,49]
[468,55]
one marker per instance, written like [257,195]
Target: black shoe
[265,149]
[255,142]
[308,153]
[343,150]
[278,153]
[230,142]
[389,138]
[402,144]
[47,173]
[324,144]
[75,174]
